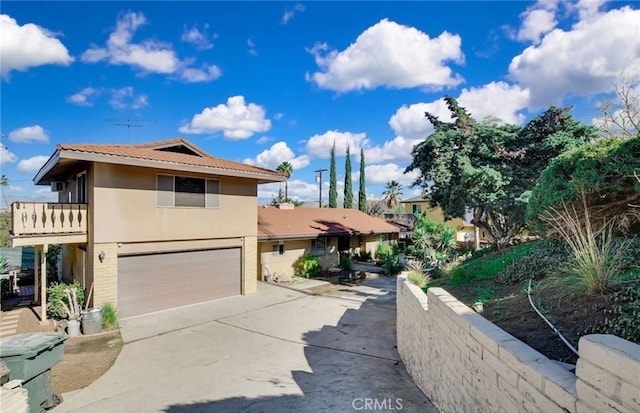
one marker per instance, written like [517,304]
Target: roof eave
[149,163]
[47,167]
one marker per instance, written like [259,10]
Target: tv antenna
[128,123]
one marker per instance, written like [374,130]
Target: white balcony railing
[41,218]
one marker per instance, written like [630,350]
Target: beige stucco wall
[434,213]
[125,202]
[285,265]
[463,362]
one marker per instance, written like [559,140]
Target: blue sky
[265,82]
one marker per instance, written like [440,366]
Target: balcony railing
[43,218]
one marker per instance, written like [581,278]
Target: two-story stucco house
[151,226]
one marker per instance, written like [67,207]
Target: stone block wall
[464,363]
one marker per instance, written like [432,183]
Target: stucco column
[43,283]
[105,274]
[250,265]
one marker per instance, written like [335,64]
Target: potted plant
[65,301]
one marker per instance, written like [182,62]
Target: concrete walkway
[275,351]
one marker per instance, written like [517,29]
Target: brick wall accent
[463,362]
[250,252]
[105,274]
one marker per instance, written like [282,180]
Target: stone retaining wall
[464,363]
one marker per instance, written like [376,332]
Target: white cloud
[397,149]
[200,39]
[6,156]
[410,122]
[29,134]
[265,139]
[380,174]
[319,146]
[151,56]
[288,14]
[31,165]
[125,98]
[537,21]
[22,47]
[207,73]
[589,8]
[278,153]
[389,54]
[252,47]
[82,98]
[15,189]
[584,60]
[236,120]
[497,99]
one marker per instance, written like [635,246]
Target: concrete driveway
[275,351]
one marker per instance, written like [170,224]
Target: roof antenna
[128,123]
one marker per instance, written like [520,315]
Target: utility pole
[319,180]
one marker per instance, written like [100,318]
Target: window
[417,208]
[81,188]
[184,191]
[319,246]
[278,249]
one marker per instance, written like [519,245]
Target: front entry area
[155,282]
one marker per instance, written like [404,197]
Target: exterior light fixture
[101,256]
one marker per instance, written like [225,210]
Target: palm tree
[392,194]
[286,169]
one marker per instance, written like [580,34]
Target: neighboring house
[285,234]
[465,231]
[149,226]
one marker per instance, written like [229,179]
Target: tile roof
[274,223]
[143,152]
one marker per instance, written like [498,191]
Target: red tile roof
[146,153]
[274,223]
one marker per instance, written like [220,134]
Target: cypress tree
[362,191]
[348,191]
[333,183]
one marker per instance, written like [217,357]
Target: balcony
[37,223]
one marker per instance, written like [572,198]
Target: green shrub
[623,318]
[345,262]
[487,266]
[109,317]
[364,255]
[392,265]
[56,298]
[383,252]
[308,266]
[543,259]
[418,278]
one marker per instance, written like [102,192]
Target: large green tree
[362,190]
[606,172]
[286,169]
[491,168]
[333,183]
[348,190]
[392,194]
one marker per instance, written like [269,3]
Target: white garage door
[154,282]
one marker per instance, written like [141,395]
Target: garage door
[154,282]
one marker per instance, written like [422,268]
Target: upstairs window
[417,208]
[184,191]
